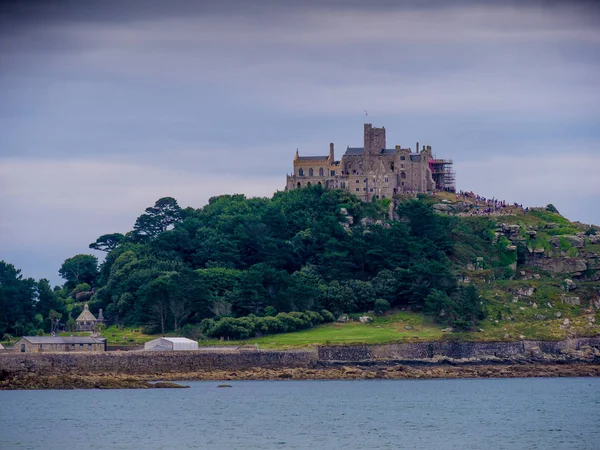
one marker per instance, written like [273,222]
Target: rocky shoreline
[342,372]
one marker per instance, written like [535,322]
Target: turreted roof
[85,315]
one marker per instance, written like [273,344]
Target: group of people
[488,206]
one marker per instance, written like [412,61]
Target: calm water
[550,413]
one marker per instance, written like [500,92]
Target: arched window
[299,185]
[321,172]
[402,174]
[310,172]
[301,172]
[308,184]
[319,183]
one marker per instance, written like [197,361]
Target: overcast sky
[105,108]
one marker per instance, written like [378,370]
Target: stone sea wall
[453,350]
[135,363]
[150,363]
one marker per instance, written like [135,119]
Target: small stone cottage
[49,344]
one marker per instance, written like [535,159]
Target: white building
[165,344]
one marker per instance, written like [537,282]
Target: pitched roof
[85,315]
[354,151]
[177,339]
[63,340]
[312,158]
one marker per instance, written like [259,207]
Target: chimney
[417,147]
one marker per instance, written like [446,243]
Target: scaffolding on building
[443,174]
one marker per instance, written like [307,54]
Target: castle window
[371,190]
[357,181]
[383,196]
[365,189]
[403,183]
[392,165]
[386,180]
[321,172]
[301,172]
[311,172]
[403,158]
[366,179]
[403,175]
[333,173]
[299,185]
[402,166]
[357,189]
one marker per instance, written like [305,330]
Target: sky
[107,106]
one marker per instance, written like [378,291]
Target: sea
[530,413]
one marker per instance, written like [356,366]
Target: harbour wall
[154,363]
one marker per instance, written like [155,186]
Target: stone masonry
[373,171]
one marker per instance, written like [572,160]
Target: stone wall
[454,350]
[151,363]
[141,363]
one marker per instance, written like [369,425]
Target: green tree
[107,242]
[79,269]
[157,219]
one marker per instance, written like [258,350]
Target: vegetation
[272,270]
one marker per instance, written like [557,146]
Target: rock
[536,276]
[558,314]
[447,330]
[569,285]
[515,299]
[522,308]
[526,291]
[593,239]
[549,305]
[470,266]
[595,303]
[224,386]
[522,273]
[481,330]
[408,327]
[365,319]
[573,301]
[534,305]
[561,265]
[536,352]
[442,207]
[539,317]
[343,318]
[506,336]
[511,248]
[343,211]
[521,336]
[566,323]
[574,241]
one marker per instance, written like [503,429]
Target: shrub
[327,316]
[193,332]
[151,329]
[381,306]
[270,311]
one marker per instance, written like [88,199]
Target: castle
[374,171]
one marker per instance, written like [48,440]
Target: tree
[107,242]
[157,219]
[54,318]
[156,296]
[79,269]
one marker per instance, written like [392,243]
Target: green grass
[385,329]
[119,336]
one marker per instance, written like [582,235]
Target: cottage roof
[63,340]
[313,158]
[85,315]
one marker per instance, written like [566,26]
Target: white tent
[165,344]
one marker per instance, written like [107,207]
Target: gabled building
[86,321]
[374,171]
[50,344]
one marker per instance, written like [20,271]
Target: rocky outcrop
[573,241]
[559,265]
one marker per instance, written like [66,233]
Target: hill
[279,270]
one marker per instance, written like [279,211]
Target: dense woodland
[253,258]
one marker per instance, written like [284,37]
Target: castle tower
[374,140]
